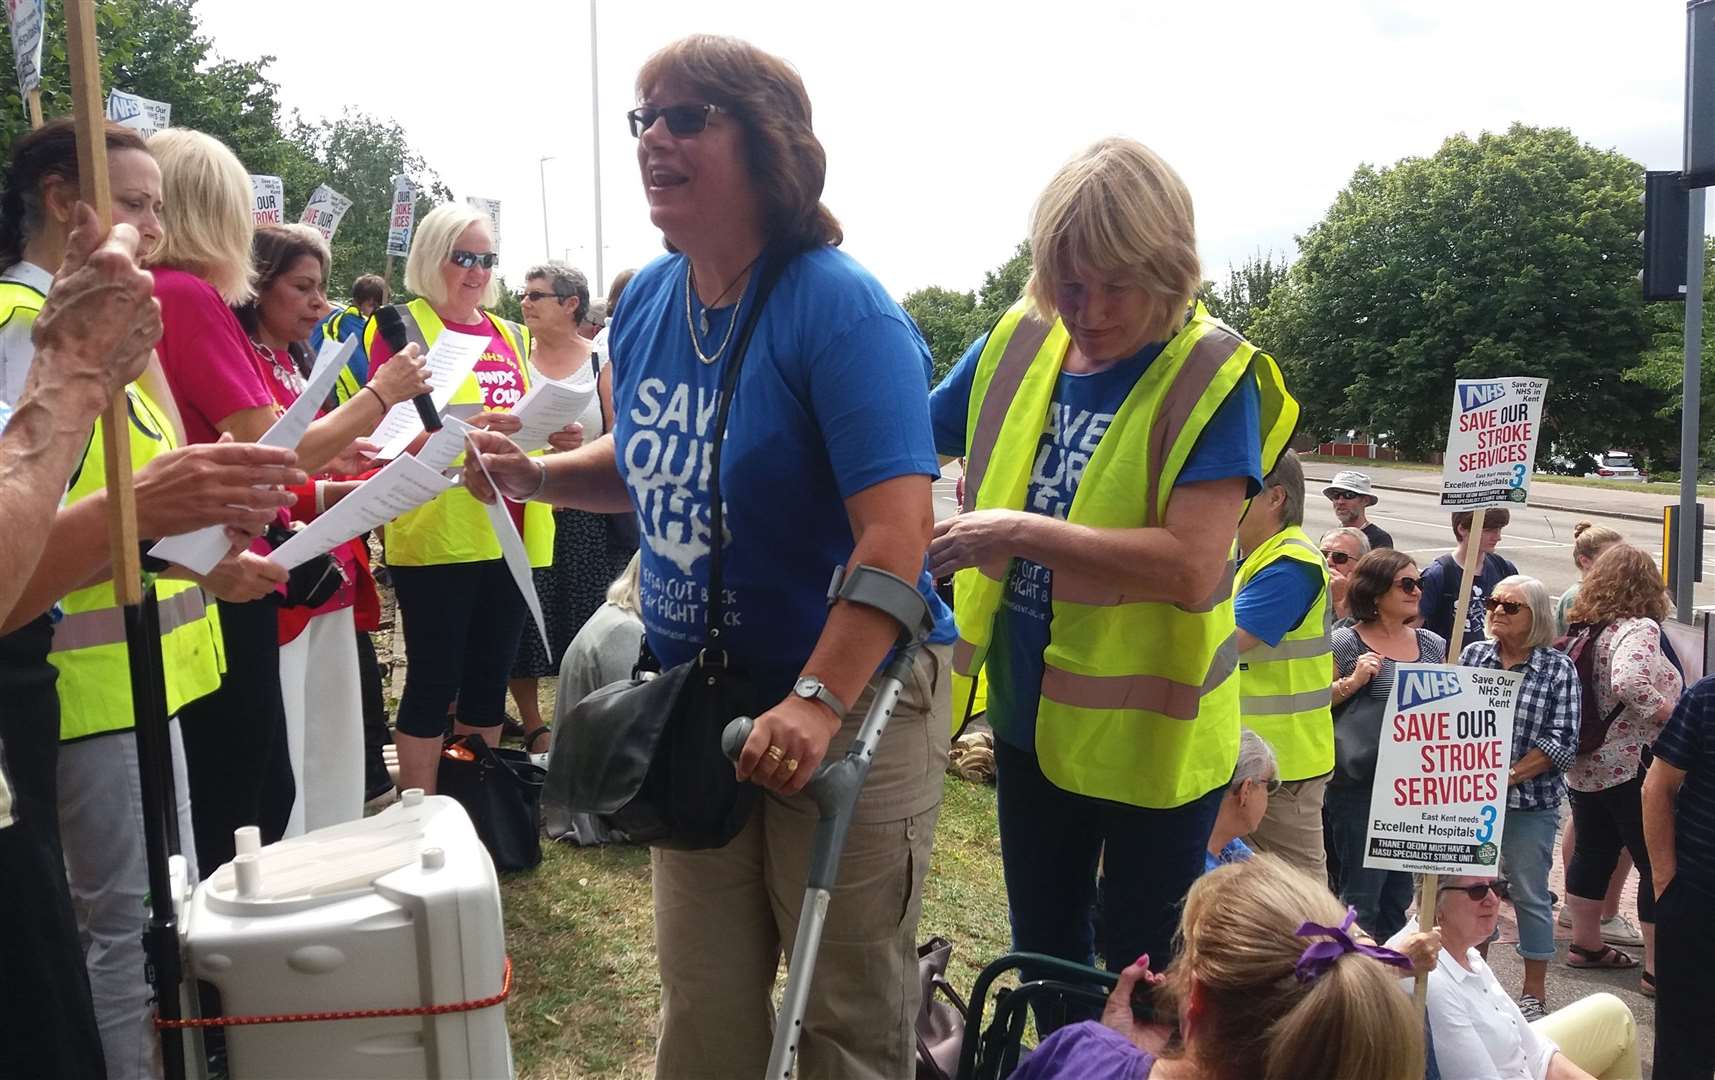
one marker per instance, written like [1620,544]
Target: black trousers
[235,739]
[1606,821]
[375,733]
[50,1027]
[1685,980]
[462,626]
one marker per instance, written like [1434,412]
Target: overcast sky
[942,121]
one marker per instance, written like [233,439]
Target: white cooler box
[398,910]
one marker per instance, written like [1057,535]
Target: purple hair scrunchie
[1319,956]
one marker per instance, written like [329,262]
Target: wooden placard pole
[1428,902]
[136,601]
[34,98]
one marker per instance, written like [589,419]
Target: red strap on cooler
[350,1014]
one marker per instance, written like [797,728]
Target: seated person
[1255,778]
[1272,982]
[1477,1029]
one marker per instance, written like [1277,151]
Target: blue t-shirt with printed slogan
[1083,407]
[832,399]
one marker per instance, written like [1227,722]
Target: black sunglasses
[1343,495]
[1511,607]
[1478,891]
[1338,558]
[533,296]
[468,259]
[682,120]
[1409,585]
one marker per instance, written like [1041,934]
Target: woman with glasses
[1478,1031]
[1255,778]
[589,550]
[1341,550]
[1621,602]
[826,460]
[1383,593]
[1520,626]
[463,613]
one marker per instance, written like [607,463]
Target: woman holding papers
[319,683]
[235,737]
[826,461]
[462,611]
[588,554]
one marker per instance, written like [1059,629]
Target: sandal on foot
[1605,957]
[530,739]
[1646,986]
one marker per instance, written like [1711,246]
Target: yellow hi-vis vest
[453,527]
[89,641]
[346,385]
[1140,699]
[1286,691]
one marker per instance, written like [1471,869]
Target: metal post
[600,280]
[542,176]
[1699,106]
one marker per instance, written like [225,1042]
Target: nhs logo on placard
[1420,686]
[122,107]
[1476,395]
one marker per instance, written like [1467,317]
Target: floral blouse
[1632,670]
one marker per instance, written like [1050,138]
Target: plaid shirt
[1549,701]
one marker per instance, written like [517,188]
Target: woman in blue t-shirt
[826,461]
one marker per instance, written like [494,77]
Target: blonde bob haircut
[206,217]
[1119,211]
[433,246]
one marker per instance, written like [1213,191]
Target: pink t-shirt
[210,364]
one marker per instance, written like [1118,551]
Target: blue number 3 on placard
[1487,830]
[1518,476]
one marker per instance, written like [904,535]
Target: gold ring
[774,754]
[791,765]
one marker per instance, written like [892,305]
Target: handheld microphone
[392,330]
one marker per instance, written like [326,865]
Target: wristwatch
[810,688]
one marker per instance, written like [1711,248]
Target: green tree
[1245,292]
[1508,254]
[951,320]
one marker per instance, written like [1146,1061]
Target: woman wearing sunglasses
[463,613]
[1520,626]
[1383,594]
[826,460]
[1341,550]
[1478,1031]
[1636,686]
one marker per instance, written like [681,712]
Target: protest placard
[24,19]
[1440,797]
[145,115]
[324,210]
[269,192]
[404,216]
[491,207]
[1491,442]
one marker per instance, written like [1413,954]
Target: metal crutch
[836,786]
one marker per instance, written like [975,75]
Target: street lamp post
[595,138]
[542,175]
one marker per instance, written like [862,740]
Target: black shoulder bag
[646,752]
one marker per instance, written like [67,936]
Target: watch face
[807,687]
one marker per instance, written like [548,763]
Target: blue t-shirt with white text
[1083,407]
[832,399]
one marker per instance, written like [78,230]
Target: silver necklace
[703,320]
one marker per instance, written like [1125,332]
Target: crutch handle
[737,733]
[735,736]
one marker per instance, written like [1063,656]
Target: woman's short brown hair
[1371,579]
[1623,583]
[766,96]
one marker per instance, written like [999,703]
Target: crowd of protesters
[1187,692]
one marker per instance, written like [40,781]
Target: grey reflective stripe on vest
[1286,704]
[1152,693]
[1014,363]
[1202,364]
[1075,588]
[413,330]
[1302,649]
[106,626]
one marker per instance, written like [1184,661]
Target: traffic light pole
[1699,151]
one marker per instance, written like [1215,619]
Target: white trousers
[324,722]
[101,827]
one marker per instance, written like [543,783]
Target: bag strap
[772,267]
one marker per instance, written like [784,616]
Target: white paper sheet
[197,552]
[448,363]
[445,445]
[402,485]
[549,406]
[512,549]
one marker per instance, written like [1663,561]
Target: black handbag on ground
[646,752]
[501,791]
